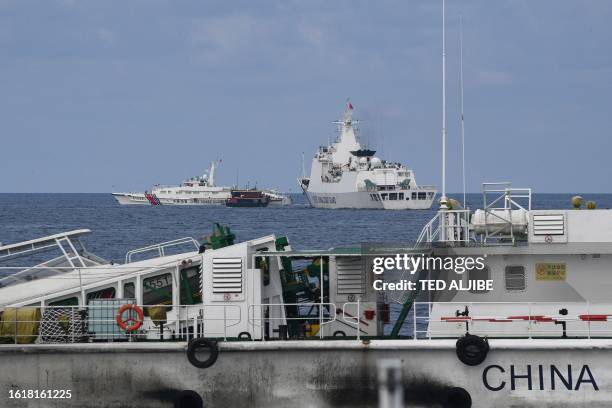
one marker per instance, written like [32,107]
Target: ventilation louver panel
[227,275]
[351,279]
[515,278]
[550,224]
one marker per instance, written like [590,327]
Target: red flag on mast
[350,106]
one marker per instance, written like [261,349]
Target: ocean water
[116,229]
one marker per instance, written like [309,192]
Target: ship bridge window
[392,196]
[422,195]
[475,275]
[190,292]
[106,293]
[515,278]
[383,196]
[71,301]
[401,196]
[414,195]
[129,290]
[157,290]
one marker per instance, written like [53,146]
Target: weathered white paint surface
[307,373]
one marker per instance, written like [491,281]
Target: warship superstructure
[346,174]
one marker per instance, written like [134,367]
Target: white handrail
[160,247]
[536,319]
[79,323]
[356,318]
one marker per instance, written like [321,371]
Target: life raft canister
[472,350]
[135,322]
[199,344]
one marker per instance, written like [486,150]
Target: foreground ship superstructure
[347,175]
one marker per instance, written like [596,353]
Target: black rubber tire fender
[202,343]
[472,350]
[457,397]
[245,336]
[188,399]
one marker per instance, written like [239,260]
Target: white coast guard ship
[347,175]
[199,190]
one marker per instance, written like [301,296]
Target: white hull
[140,199]
[364,200]
[524,373]
[130,199]
[279,203]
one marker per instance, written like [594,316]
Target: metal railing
[446,226]
[100,322]
[430,320]
[261,320]
[357,318]
[511,319]
[499,201]
[161,247]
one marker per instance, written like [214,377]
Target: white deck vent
[351,279]
[548,224]
[227,275]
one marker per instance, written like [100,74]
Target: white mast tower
[443,199]
[462,115]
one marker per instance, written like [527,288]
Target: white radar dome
[375,162]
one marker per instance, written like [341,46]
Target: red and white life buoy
[136,321]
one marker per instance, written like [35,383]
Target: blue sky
[100,96]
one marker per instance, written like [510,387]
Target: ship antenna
[462,115]
[443,200]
